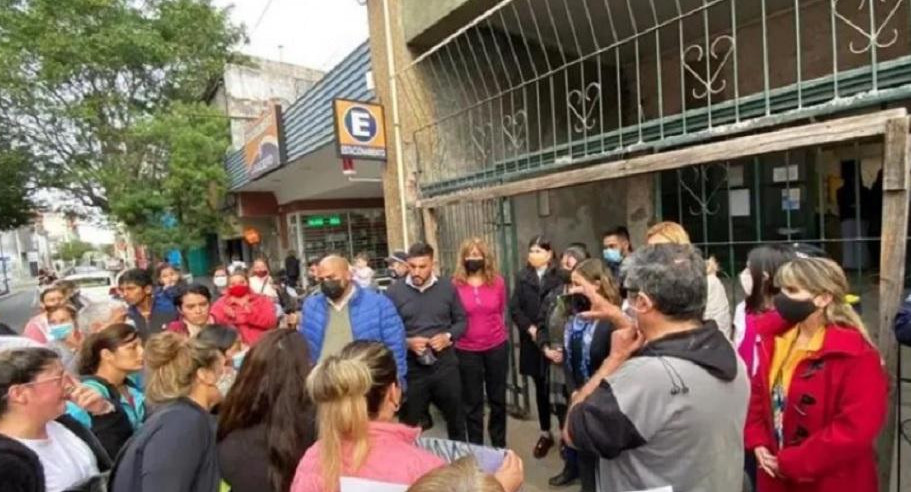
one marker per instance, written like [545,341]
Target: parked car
[95,286]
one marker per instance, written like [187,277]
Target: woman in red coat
[819,397]
[252,314]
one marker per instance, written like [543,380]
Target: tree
[174,204]
[73,250]
[88,83]
[16,207]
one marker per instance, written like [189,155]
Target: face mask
[474,266]
[537,260]
[333,289]
[578,303]
[746,281]
[792,310]
[565,275]
[238,290]
[261,274]
[392,273]
[60,332]
[238,360]
[612,255]
[224,383]
[220,281]
[629,310]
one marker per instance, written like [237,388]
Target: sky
[313,33]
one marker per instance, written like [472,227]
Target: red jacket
[836,406]
[252,320]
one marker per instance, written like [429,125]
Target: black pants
[542,399]
[439,384]
[588,470]
[482,371]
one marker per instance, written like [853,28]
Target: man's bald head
[334,267]
[334,276]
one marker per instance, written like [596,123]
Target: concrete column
[640,206]
[402,56]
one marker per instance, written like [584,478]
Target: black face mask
[578,303]
[565,275]
[474,266]
[792,310]
[333,289]
[392,273]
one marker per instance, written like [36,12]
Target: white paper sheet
[740,203]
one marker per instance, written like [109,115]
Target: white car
[95,286]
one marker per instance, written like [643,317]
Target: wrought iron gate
[492,221]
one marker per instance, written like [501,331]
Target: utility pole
[3,262]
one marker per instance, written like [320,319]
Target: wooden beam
[896,169]
[828,132]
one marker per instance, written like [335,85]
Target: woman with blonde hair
[484,350]
[464,475]
[175,448]
[357,395]
[717,307]
[819,398]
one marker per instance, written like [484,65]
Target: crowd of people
[636,353]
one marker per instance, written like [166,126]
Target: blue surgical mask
[612,255]
[238,360]
[60,332]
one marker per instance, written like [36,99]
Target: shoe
[566,477]
[543,446]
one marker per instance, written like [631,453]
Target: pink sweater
[393,458]
[485,306]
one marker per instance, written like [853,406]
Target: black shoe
[543,446]
[566,477]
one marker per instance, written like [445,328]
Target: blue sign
[361,125]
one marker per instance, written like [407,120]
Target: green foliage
[73,250]
[16,208]
[107,94]
[190,139]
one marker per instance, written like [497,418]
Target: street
[16,308]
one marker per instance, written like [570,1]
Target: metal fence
[534,86]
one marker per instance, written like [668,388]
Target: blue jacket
[902,323]
[372,316]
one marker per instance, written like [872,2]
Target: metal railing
[533,86]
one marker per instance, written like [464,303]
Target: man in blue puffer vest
[342,312]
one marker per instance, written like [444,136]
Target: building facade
[750,122]
[304,201]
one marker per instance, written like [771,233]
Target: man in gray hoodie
[667,407]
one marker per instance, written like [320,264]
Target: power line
[262,14]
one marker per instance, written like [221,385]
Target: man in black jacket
[434,319]
[292,268]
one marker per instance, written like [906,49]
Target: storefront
[347,232]
[304,199]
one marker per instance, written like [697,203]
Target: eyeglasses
[60,380]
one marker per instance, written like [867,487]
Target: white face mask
[220,281]
[225,381]
[746,281]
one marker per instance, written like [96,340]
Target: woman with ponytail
[174,450]
[819,397]
[357,394]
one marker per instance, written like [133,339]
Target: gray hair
[672,276]
[97,313]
